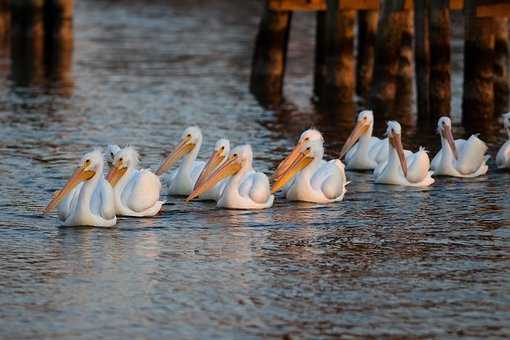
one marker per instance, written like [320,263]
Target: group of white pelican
[89,198]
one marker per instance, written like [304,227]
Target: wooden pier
[382,71]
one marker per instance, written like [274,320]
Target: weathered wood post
[403,100]
[502,60]
[338,71]
[440,70]
[422,58]
[387,56]
[320,55]
[478,94]
[367,29]
[27,41]
[269,57]
[5,16]
[58,41]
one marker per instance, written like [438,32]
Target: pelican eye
[222,148]
[308,149]
[121,159]
[234,155]
[188,135]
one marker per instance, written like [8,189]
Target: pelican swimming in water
[182,181]
[459,158]
[111,151]
[246,189]
[92,204]
[218,157]
[412,170]
[362,150]
[136,192]
[503,155]
[314,180]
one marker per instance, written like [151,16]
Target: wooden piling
[387,55]
[5,16]
[58,44]
[339,69]
[320,55]
[403,100]
[478,90]
[269,57]
[502,61]
[27,42]
[440,70]
[367,29]
[422,58]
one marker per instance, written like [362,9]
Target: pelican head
[364,124]
[394,133]
[190,138]
[111,151]
[506,123]
[239,158]
[310,135]
[444,128]
[125,159]
[308,151]
[220,153]
[90,165]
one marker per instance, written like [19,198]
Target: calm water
[387,261]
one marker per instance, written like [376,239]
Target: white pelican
[314,181]
[396,170]
[503,155]
[136,191]
[459,158]
[245,189]
[218,157]
[92,204]
[183,180]
[111,151]
[362,150]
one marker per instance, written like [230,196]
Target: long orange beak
[116,173]
[229,168]
[78,176]
[449,138]
[287,161]
[301,161]
[184,147]
[396,141]
[360,128]
[216,158]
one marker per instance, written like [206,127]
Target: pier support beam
[367,29]
[387,55]
[478,91]
[403,100]
[440,53]
[337,71]
[422,58]
[502,61]
[269,58]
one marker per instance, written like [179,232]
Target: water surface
[387,261]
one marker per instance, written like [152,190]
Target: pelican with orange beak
[313,180]
[92,203]
[412,170]
[245,189]
[460,157]
[363,151]
[136,192]
[182,181]
[218,157]
[503,155]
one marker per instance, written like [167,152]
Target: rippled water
[387,261]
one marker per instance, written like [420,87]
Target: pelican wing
[259,190]
[330,179]
[471,155]
[142,192]
[503,156]
[419,165]
[68,204]
[104,201]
